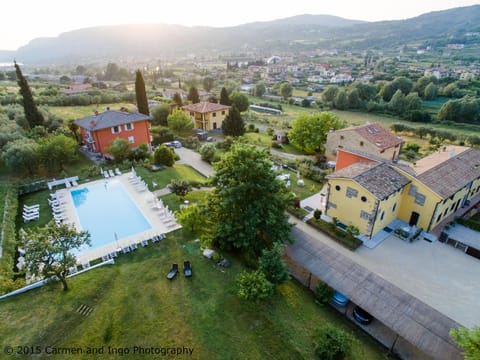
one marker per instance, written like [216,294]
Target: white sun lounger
[74,183]
[110,172]
[31,207]
[27,218]
[67,184]
[117,171]
[31,211]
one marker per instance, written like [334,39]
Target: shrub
[323,293]
[207,152]
[276,145]
[253,286]
[164,156]
[273,266]
[332,343]
[317,214]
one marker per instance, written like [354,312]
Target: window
[128,126]
[439,217]
[351,192]
[394,207]
[214,114]
[364,215]
[413,190]
[192,113]
[363,198]
[342,137]
[131,139]
[419,199]
[361,143]
[223,112]
[338,187]
[383,214]
[331,205]
[115,129]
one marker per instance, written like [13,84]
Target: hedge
[8,213]
[340,236]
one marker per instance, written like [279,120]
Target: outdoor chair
[187,269]
[173,271]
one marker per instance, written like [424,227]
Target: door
[414,218]
[214,125]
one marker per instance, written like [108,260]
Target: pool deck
[144,200]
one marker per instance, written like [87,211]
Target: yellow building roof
[436,158]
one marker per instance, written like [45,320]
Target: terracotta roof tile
[380,179]
[453,174]
[110,118]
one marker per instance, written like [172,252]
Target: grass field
[68,113]
[133,304]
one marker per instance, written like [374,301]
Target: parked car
[174,144]
[339,299]
[362,316]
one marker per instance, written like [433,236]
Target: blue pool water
[106,210]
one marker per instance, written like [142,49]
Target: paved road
[194,159]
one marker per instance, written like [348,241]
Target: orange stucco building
[99,130]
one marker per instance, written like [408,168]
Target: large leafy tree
[32,114]
[240,101]
[160,114]
[233,125]
[56,151]
[309,131]
[468,340]
[119,149]
[248,203]
[177,99]
[286,90]
[164,156]
[21,156]
[260,89]
[208,83]
[193,95]
[141,94]
[48,250]
[179,122]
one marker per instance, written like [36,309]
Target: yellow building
[370,138]
[372,193]
[207,116]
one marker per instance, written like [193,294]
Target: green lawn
[77,112]
[133,304]
[163,177]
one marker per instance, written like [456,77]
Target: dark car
[362,316]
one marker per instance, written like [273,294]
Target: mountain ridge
[299,32]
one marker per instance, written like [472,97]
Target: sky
[47,18]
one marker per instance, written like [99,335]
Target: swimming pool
[106,210]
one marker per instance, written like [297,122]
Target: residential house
[373,139]
[370,192]
[99,130]
[206,115]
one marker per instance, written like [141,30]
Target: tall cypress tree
[224,99]
[141,93]
[193,95]
[32,114]
[233,125]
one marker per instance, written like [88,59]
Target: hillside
[300,32]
